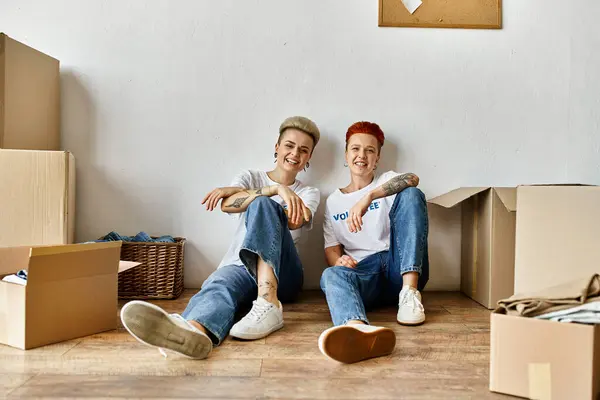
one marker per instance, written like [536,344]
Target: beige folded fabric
[552,299]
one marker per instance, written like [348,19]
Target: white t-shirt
[257,179]
[375,234]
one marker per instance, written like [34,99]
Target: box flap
[456,196]
[32,98]
[127,265]
[508,196]
[52,263]
[13,259]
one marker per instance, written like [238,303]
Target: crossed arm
[236,200]
[391,187]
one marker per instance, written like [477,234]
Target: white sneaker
[410,307]
[152,326]
[263,319]
[356,342]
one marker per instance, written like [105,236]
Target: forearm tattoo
[239,202]
[259,191]
[399,183]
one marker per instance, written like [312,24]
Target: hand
[356,213]
[212,199]
[346,261]
[297,211]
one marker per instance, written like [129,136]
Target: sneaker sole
[151,325]
[348,345]
[255,336]
[411,323]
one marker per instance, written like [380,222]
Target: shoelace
[258,310]
[409,298]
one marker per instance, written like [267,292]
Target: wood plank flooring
[446,358]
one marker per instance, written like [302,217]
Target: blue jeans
[232,287]
[377,279]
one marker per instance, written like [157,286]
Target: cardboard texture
[488,241]
[545,360]
[474,14]
[557,235]
[71,292]
[37,206]
[29,98]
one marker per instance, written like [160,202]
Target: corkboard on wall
[474,14]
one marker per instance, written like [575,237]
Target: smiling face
[362,154]
[294,150]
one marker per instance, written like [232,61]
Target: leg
[408,262]
[206,320]
[214,307]
[269,255]
[348,290]
[269,252]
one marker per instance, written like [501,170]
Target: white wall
[164,100]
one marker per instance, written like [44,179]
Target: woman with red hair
[376,248]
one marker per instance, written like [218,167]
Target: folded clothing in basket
[140,237]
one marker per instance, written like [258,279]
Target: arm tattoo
[238,202]
[259,191]
[265,287]
[399,183]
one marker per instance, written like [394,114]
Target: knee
[412,194]
[261,201]
[331,275]
[264,203]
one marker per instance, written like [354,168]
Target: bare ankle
[198,326]
[268,290]
[355,322]
[411,279]
[270,297]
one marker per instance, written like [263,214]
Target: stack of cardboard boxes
[522,240]
[71,290]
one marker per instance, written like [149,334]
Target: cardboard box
[29,98]
[545,360]
[37,205]
[71,292]
[557,235]
[488,241]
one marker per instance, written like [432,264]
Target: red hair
[368,128]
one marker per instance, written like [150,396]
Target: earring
[306,166]
[275,157]
[345,164]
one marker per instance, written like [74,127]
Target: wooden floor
[446,358]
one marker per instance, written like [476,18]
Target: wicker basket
[160,276]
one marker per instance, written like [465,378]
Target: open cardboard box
[545,360]
[517,240]
[488,240]
[71,292]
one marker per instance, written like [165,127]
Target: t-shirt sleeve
[328,232]
[311,197]
[242,180]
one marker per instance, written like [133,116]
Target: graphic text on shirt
[342,216]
